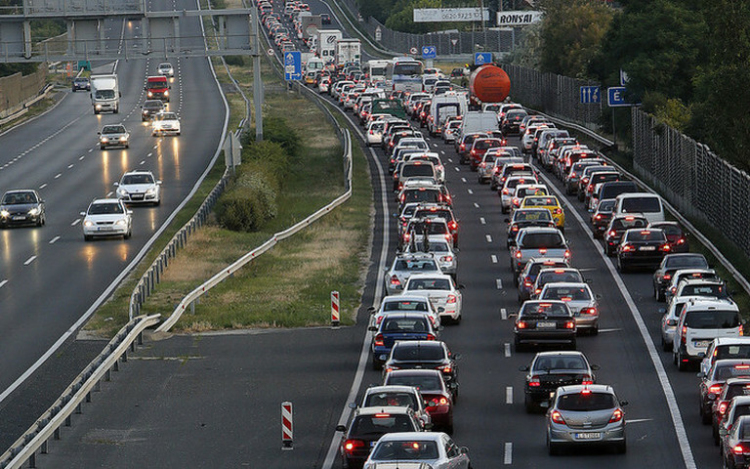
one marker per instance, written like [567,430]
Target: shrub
[237,60]
[271,157]
[249,203]
[275,129]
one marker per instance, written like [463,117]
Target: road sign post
[335,311]
[287,426]
[616,98]
[292,66]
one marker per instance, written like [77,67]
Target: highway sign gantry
[591,95]
[292,66]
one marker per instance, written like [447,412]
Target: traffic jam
[429,133]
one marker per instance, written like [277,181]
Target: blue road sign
[429,52]
[481,58]
[591,95]
[292,66]
[616,97]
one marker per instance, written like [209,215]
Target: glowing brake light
[616,416]
[352,445]
[723,408]
[557,417]
[379,341]
[451,299]
[395,281]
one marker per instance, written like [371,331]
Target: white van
[442,108]
[649,205]
[701,321]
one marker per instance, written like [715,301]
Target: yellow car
[551,203]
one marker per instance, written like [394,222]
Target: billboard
[450,15]
[518,18]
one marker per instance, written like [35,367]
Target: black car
[672,263]
[617,227]
[22,207]
[641,248]
[601,217]
[151,108]
[325,18]
[550,370]
[523,218]
[544,323]
[81,83]
[366,428]
[430,354]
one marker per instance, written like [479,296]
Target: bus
[405,74]
[375,70]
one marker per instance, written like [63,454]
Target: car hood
[406,464]
[114,135]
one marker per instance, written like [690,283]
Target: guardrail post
[56,433]
[88,396]
[67,421]
[124,356]
[140,338]
[192,307]
[32,460]
[79,409]
[44,447]
[108,376]
[117,365]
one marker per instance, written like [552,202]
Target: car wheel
[553,448]
[128,234]
[519,346]
[595,330]
[40,222]
[87,237]
[664,345]
[607,250]
[457,320]
[659,295]
[375,364]
[621,266]
[449,429]
[573,345]
[102,147]
[681,366]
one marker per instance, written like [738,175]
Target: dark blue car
[399,326]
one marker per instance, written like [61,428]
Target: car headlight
[166,93]
[121,222]
[145,112]
[4,213]
[151,191]
[104,139]
[34,211]
[124,138]
[98,107]
[150,94]
[122,191]
[88,223]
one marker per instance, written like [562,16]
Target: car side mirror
[461,286]
[372,328]
[83,214]
[712,397]
[506,220]
[464,450]
[662,311]
[116,184]
[158,183]
[598,296]
[340,428]
[456,356]
[371,310]
[428,426]
[98,133]
[129,212]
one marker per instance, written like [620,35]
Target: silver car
[582,303]
[412,450]
[404,265]
[444,253]
[585,414]
[669,319]
[115,135]
[107,217]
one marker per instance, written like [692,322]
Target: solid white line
[508,458]
[54,240]
[507,350]
[488,238]
[29,260]
[482,220]
[666,386]
[504,314]
[499,283]
[509,395]
[639,420]
[493,258]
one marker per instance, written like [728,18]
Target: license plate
[647,248]
[588,436]
[105,228]
[20,217]
[545,325]
[137,196]
[701,343]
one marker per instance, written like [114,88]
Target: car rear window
[416,264]
[641,205]
[380,424]
[567,293]
[542,240]
[572,362]
[564,276]
[532,215]
[704,290]
[429,284]
[544,309]
[400,399]
[411,352]
[698,262]
[418,324]
[646,235]
[404,305]
[586,401]
[712,319]
[406,450]
[420,195]
[732,351]
[421,382]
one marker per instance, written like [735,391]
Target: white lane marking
[638,420]
[463,179]
[457,168]
[450,160]
[470,191]
[504,314]
[109,194]
[2,283]
[442,152]
[54,240]
[610,330]
[29,260]
[142,162]
[43,186]
[508,458]
[76,222]
[58,175]
[493,258]
[150,154]
[509,395]
[91,150]
[499,283]
[70,166]
[488,238]
[507,350]
[476,205]
[674,409]
[482,221]
[80,158]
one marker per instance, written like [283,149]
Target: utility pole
[481,12]
[257,81]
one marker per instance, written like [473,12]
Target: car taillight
[521,325]
[557,211]
[597,217]
[567,254]
[616,416]
[570,325]
[353,445]
[514,228]
[395,281]
[587,380]
[430,337]
[453,225]
[665,247]
[463,147]
[590,189]
[445,369]
[473,152]
[588,311]
[379,320]
[534,382]
[407,237]
[446,259]
[613,233]
[518,255]
[722,408]
[683,335]
[483,165]
[680,241]
[451,299]
[542,250]
[379,342]
[627,248]
[667,277]
[557,417]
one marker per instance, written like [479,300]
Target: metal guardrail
[221,276]
[48,425]
[684,221]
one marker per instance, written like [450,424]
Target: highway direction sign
[616,97]
[429,52]
[293,66]
[591,95]
[481,58]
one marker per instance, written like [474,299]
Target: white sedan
[107,217]
[166,69]
[165,123]
[139,187]
[440,290]
[434,449]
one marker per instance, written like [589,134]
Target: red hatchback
[432,386]
[479,147]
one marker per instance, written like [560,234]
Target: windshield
[113,129]
[101,209]
[542,240]
[391,398]
[416,264]
[422,382]
[167,116]
[410,352]
[18,198]
[380,424]
[544,309]
[137,179]
[571,362]
[704,290]
[532,215]
[105,94]
[156,85]
[687,261]
[641,205]
[583,401]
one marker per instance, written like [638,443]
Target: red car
[479,147]
[432,386]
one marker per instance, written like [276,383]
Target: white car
[107,217]
[115,135]
[580,300]
[139,187]
[403,304]
[375,133]
[416,450]
[165,123]
[440,290]
[166,69]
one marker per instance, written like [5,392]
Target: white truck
[325,45]
[105,93]
[444,106]
[348,51]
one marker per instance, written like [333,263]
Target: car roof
[560,353]
[732,341]
[106,201]
[568,285]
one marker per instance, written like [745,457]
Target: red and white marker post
[287,426]
[335,311]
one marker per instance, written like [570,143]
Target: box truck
[105,93]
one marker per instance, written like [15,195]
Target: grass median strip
[290,285]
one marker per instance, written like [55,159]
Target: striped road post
[287,425]
[335,311]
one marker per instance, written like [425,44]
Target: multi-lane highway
[214,401]
[50,279]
